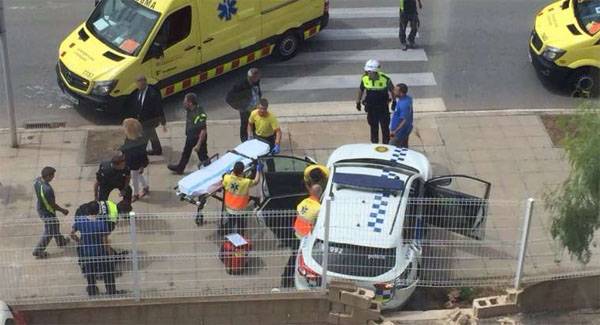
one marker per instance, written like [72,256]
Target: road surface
[472,56]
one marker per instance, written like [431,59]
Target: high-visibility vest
[237,192]
[308,212]
[44,200]
[109,209]
[380,84]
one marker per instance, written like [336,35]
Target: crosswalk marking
[350,34]
[380,12]
[341,81]
[420,105]
[395,55]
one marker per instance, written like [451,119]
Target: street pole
[523,243]
[7,81]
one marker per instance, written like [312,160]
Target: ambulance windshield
[124,25]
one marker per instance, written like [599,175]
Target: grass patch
[558,126]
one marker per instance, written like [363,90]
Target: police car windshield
[588,15]
[124,25]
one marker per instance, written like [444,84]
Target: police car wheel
[288,46]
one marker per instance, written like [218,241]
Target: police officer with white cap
[377,89]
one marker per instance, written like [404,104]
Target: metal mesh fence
[431,243]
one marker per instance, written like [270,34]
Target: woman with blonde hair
[136,157]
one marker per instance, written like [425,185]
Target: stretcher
[198,186]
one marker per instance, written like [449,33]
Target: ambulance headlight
[553,53]
[103,88]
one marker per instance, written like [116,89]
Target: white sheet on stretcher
[208,179]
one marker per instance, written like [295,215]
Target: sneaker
[40,255]
[175,169]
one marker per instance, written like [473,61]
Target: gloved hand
[259,167]
[276,149]
[358,106]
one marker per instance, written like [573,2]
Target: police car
[377,223]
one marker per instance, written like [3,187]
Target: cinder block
[337,287]
[512,295]
[365,315]
[339,319]
[359,299]
[493,306]
[337,308]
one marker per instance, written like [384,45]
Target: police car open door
[457,203]
[283,189]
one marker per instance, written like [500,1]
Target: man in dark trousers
[195,134]
[149,110]
[409,17]
[47,207]
[377,88]
[244,97]
[95,254]
[402,120]
[113,174]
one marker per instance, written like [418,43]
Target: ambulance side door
[250,26]
[176,46]
[219,21]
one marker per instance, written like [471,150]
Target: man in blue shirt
[93,249]
[402,120]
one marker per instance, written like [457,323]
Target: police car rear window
[356,260]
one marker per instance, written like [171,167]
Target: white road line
[341,81]
[420,105]
[381,12]
[395,55]
[351,34]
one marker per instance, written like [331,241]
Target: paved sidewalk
[513,152]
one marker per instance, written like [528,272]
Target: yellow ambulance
[565,44]
[177,44]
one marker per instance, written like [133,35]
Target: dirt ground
[554,124]
[578,317]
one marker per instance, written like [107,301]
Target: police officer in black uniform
[378,88]
[113,174]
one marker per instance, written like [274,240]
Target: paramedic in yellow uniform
[316,174]
[237,197]
[306,217]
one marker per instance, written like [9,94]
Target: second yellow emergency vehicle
[178,44]
[565,44]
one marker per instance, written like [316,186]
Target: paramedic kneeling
[237,197]
[307,213]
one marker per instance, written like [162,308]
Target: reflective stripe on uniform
[380,84]
[113,212]
[200,118]
[44,200]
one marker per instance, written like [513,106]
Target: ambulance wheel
[585,83]
[288,46]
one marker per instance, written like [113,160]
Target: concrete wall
[277,309]
[558,295]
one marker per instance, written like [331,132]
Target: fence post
[137,292]
[523,244]
[325,264]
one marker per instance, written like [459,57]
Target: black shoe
[154,153]
[92,291]
[405,47]
[40,255]
[175,169]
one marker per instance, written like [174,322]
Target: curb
[331,118]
